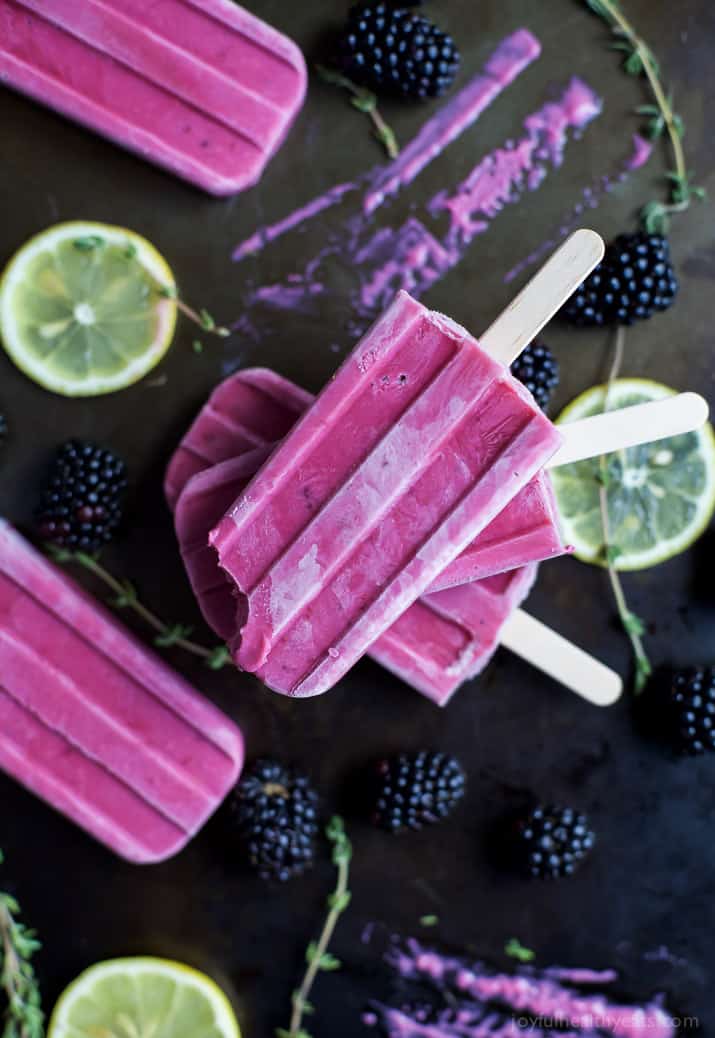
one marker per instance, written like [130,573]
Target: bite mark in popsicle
[438,643]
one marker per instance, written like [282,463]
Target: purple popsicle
[95,724]
[201,87]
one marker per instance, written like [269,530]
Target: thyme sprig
[317,956]
[21,1016]
[661,117]
[126,596]
[365,101]
[200,317]
[633,625]
[516,950]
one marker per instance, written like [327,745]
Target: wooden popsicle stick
[630,426]
[540,299]
[561,659]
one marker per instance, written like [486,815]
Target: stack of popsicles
[402,514]
[404,510]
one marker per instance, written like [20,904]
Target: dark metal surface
[651,881]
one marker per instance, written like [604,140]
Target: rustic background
[651,881]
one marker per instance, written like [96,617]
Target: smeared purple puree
[374,262]
[476,1001]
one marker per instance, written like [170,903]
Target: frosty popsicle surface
[415,445]
[201,87]
[441,641]
[95,724]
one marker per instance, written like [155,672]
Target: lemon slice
[82,311]
[143,998]
[661,496]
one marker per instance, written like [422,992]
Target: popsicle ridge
[185,76]
[448,535]
[50,767]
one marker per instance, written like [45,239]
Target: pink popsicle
[415,445]
[95,724]
[201,87]
[257,407]
[438,643]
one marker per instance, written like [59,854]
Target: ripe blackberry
[548,842]
[81,506]
[688,709]
[397,51]
[538,369]
[275,809]
[633,281]
[415,789]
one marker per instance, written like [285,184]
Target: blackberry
[548,842]
[687,709]
[276,811]
[412,790]
[538,369]
[81,506]
[634,280]
[398,52]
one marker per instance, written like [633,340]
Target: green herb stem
[632,624]
[642,60]
[516,950]
[22,1016]
[126,598]
[200,317]
[318,957]
[365,101]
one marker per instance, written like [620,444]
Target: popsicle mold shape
[441,641]
[95,724]
[415,445]
[202,88]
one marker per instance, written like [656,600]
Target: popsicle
[202,88]
[95,724]
[417,443]
[258,407]
[438,643]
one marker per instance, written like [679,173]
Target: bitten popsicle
[441,641]
[416,444]
[95,724]
[201,87]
